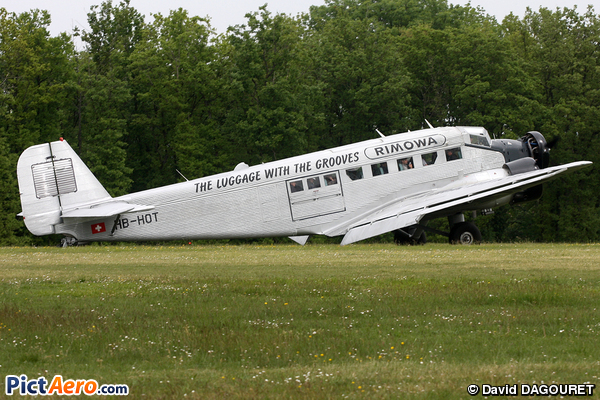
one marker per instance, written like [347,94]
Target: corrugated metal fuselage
[317,193]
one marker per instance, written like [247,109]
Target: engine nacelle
[532,145]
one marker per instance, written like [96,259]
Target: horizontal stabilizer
[105,210]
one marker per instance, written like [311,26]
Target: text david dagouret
[582,389]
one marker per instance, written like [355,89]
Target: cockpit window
[479,140]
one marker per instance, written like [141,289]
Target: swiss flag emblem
[98,228]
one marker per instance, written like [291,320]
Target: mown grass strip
[302,322]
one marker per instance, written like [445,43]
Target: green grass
[320,321]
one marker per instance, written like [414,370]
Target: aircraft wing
[101,210]
[410,210]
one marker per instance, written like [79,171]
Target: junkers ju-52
[396,183]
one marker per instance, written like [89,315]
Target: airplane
[396,183]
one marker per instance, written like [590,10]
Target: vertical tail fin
[53,177]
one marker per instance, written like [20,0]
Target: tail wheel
[465,233]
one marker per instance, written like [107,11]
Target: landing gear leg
[412,235]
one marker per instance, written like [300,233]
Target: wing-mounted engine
[532,145]
[529,153]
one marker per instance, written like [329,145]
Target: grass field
[313,322]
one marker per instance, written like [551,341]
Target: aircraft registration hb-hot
[395,183]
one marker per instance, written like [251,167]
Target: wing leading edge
[410,210]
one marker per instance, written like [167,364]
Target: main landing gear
[461,232]
[465,233]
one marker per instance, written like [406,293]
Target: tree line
[145,99]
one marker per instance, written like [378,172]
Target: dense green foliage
[143,99]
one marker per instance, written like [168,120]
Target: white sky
[67,14]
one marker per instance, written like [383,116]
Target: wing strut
[114,228]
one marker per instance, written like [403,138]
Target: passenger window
[379,169]
[405,163]
[453,154]
[355,173]
[429,158]
[296,186]
[313,183]
[330,179]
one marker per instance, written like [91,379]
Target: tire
[465,233]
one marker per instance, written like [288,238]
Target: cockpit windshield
[479,140]
[477,136]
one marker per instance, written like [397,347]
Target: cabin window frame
[333,183]
[359,173]
[434,155]
[381,168]
[313,182]
[410,164]
[296,189]
[457,151]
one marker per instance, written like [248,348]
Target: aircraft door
[315,195]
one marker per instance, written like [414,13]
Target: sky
[67,14]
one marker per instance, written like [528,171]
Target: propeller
[539,148]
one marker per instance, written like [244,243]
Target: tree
[176,101]
[268,93]
[363,75]
[103,98]
[562,49]
[35,71]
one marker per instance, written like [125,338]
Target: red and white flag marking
[98,228]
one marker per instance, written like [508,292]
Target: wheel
[465,233]
[68,241]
